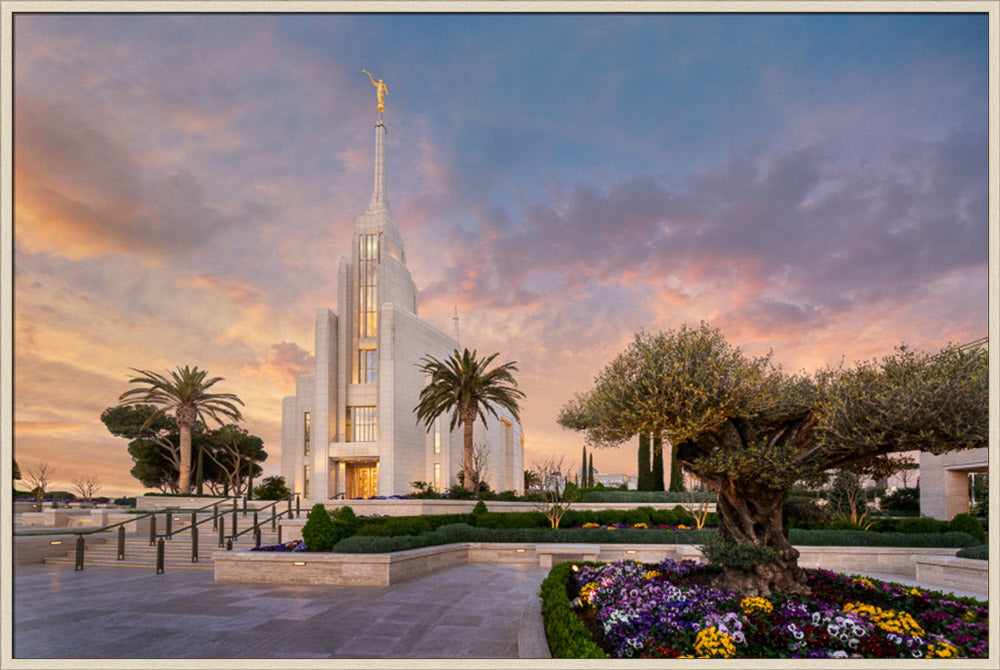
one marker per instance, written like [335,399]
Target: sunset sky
[185,187]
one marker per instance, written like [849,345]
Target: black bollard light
[159,557]
[79,554]
[222,532]
[152,530]
[194,544]
[121,543]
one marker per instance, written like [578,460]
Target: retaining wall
[391,568]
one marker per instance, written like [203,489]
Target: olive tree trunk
[753,516]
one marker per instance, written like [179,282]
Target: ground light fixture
[299,563]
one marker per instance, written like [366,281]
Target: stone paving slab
[470,611]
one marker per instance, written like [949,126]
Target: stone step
[89,561]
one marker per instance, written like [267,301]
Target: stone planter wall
[384,569]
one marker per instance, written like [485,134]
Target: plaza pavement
[473,611]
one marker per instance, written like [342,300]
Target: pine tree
[583,470]
[590,477]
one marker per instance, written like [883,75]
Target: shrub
[272,488]
[966,523]
[726,554]
[982,552]
[617,496]
[346,521]
[902,500]
[480,508]
[805,511]
[568,637]
[395,527]
[506,496]
[319,532]
[460,492]
[923,524]
[861,538]
[511,520]
[127,501]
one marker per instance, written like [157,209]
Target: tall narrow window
[437,435]
[437,476]
[362,424]
[305,482]
[306,433]
[367,285]
[366,366]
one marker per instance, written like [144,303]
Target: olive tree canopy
[750,431]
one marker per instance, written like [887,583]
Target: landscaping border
[391,568]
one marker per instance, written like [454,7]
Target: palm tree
[185,394]
[461,385]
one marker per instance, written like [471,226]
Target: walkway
[471,611]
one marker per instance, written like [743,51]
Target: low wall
[36,548]
[391,568]
[966,574]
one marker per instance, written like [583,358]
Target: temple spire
[380,197]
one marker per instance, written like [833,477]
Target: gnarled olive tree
[750,431]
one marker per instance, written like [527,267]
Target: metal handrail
[255,527]
[221,514]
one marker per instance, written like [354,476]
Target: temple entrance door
[362,480]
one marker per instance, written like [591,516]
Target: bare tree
[697,510]
[480,470]
[555,499]
[39,477]
[87,485]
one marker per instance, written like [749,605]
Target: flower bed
[667,610]
[295,545]
[639,526]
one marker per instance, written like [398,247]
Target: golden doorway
[362,480]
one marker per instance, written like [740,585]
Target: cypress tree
[676,473]
[656,475]
[583,469]
[645,478]
[590,476]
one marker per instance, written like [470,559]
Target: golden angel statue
[380,90]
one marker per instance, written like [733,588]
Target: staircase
[176,550]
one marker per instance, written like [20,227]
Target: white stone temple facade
[350,430]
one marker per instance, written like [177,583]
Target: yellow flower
[591,524]
[889,620]
[915,592]
[683,527]
[652,574]
[587,592]
[863,582]
[711,643]
[969,616]
[640,525]
[751,605]
[941,650]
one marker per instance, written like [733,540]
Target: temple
[350,430]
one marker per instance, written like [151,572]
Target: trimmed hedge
[981,552]
[566,634]
[447,534]
[613,496]
[862,538]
